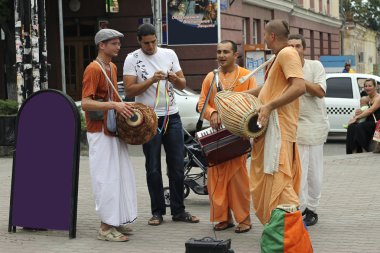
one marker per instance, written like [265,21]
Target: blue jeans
[174,149]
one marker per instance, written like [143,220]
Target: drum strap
[109,80]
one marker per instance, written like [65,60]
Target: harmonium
[221,145]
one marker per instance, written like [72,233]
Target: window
[312,5]
[361,57]
[339,87]
[321,43]
[255,24]
[328,7]
[361,84]
[329,43]
[312,52]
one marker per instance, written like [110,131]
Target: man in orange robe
[283,85]
[228,183]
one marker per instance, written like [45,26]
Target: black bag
[96,115]
[208,245]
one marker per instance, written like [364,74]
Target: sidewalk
[348,215]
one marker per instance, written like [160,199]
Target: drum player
[112,174]
[228,183]
[283,85]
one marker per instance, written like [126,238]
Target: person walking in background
[149,74]
[113,179]
[347,68]
[313,127]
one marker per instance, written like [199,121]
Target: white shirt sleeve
[176,66]
[129,68]
[319,75]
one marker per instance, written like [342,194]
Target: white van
[343,97]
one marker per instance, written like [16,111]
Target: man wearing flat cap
[113,180]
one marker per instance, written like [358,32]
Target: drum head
[139,129]
[252,124]
[136,120]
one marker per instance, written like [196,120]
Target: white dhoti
[113,179]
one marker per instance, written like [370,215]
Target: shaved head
[280,28]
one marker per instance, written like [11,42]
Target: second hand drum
[238,112]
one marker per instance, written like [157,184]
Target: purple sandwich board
[44,186]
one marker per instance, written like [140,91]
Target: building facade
[241,20]
[317,20]
[362,43]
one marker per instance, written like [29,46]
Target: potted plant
[8,113]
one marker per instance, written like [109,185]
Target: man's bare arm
[296,89]
[132,88]
[178,79]
[254,91]
[88,104]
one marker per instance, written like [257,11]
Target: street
[347,214]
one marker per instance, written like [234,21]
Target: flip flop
[220,228]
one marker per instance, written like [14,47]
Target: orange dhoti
[269,191]
[228,188]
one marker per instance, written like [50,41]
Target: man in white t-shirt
[312,131]
[149,75]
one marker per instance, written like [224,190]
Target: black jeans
[174,148]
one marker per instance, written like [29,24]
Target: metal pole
[62,46]
[219,23]
[157,16]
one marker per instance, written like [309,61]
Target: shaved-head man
[278,182]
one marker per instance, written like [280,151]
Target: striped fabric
[285,233]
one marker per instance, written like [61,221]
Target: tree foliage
[366,13]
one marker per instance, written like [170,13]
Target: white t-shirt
[313,125]
[144,66]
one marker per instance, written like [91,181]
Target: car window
[339,87]
[361,81]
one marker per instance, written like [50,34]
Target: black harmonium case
[208,245]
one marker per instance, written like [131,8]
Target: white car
[186,99]
[343,97]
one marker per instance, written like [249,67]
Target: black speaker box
[208,245]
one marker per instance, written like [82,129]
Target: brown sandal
[240,229]
[185,217]
[155,220]
[223,225]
